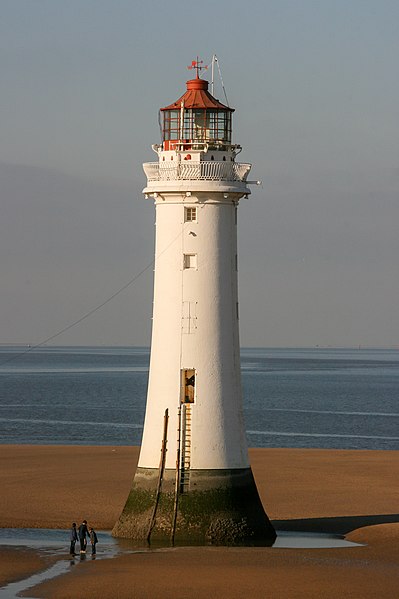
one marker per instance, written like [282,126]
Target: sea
[306,397]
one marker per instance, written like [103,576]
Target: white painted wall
[218,434]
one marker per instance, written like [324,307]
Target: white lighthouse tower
[194,481]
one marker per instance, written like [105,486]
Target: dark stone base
[220,507]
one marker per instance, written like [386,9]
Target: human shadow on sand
[340,525]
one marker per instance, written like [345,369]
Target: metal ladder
[185,448]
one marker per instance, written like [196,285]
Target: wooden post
[177,479]
[161,471]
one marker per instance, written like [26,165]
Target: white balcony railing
[197,171]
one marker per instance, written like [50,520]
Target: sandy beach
[354,493]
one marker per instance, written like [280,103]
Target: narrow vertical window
[188,385]
[190,215]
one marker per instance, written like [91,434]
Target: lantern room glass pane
[199,125]
[188,124]
[171,120]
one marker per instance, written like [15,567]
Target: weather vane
[197,64]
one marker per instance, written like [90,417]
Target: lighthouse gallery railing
[194,171]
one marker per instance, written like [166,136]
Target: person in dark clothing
[73,538]
[93,540]
[83,531]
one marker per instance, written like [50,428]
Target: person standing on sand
[83,531]
[93,540]
[73,538]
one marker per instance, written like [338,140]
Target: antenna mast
[215,60]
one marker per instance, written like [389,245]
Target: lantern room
[196,120]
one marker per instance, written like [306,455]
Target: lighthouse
[194,483]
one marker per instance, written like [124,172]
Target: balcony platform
[225,177]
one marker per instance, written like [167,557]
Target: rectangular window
[190,261]
[190,215]
[188,385]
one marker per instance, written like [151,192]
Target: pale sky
[316,90]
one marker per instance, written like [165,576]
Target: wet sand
[309,490]
[18,563]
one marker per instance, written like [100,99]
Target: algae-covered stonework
[220,507]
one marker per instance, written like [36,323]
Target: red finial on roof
[197,64]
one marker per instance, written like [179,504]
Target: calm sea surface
[326,398]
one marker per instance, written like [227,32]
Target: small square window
[190,261]
[190,215]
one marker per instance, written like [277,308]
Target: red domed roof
[197,96]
